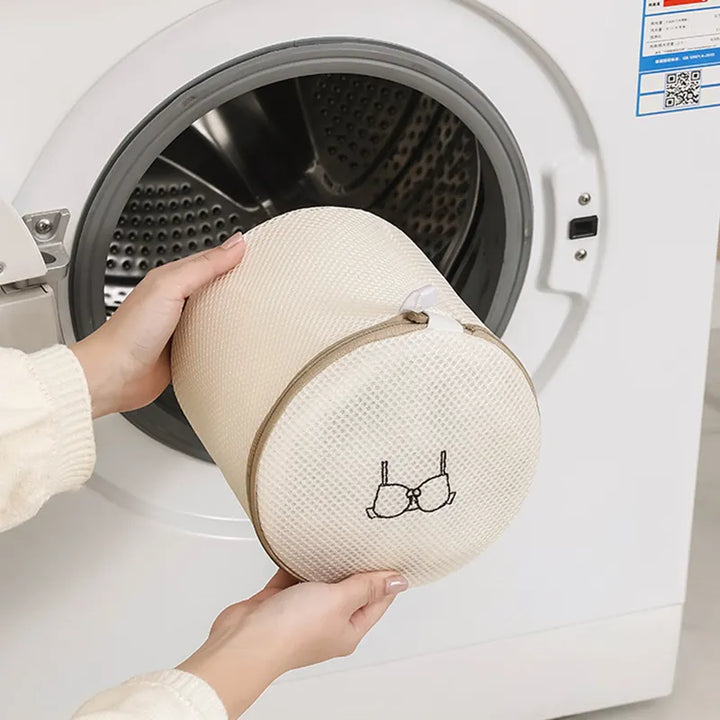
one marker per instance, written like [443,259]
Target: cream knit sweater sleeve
[46,438]
[46,447]
[166,695]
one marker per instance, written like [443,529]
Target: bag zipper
[485,334]
[407,322]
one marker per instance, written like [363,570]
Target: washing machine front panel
[551,308]
[618,466]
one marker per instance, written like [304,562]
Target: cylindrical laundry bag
[362,414]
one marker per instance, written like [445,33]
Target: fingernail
[232,241]
[396,584]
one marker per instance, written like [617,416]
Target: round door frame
[246,74]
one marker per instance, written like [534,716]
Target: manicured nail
[396,584]
[233,240]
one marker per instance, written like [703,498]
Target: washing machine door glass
[425,151]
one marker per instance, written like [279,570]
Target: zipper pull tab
[423,300]
[420,300]
[440,321]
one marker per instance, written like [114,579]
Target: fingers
[368,588]
[369,596]
[183,277]
[364,618]
[281,580]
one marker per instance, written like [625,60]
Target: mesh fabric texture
[404,400]
[309,279]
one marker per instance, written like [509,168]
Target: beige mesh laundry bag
[362,414]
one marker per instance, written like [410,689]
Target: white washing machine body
[579,604]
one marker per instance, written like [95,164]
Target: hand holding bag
[362,414]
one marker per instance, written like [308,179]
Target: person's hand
[127,360]
[288,625]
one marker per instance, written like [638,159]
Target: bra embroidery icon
[394,499]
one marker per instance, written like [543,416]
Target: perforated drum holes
[339,122]
[165,219]
[375,145]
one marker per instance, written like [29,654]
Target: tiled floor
[697,688]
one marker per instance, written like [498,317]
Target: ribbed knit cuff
[63,382]
[188,689]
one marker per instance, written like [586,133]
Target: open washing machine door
[461,122]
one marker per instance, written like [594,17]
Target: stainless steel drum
[346,140]
[300,126]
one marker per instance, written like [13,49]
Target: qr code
[683,88]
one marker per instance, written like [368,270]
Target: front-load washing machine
[557,161]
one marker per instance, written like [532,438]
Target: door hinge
[48,230]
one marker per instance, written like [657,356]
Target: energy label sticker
[679,56]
